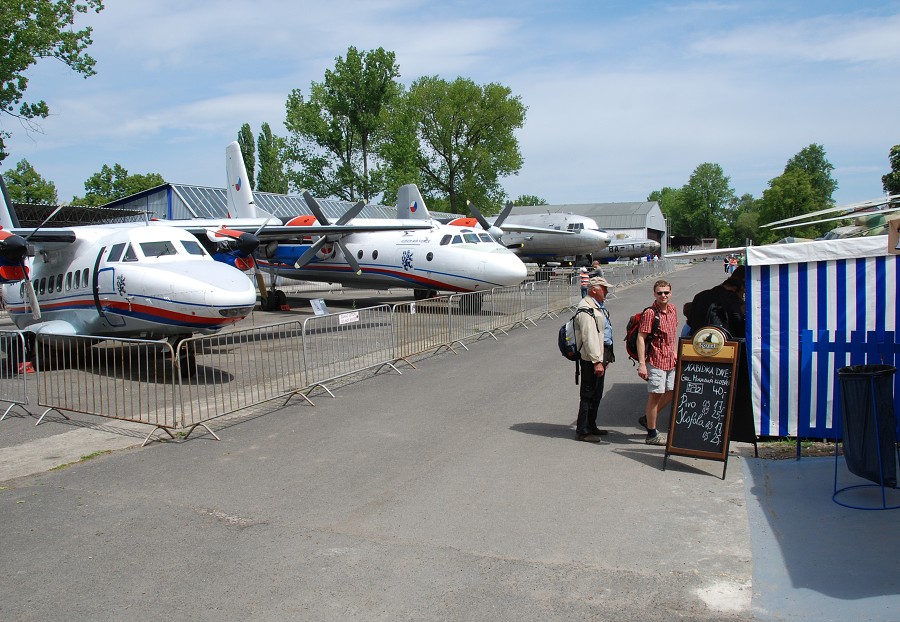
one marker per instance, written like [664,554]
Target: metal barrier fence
[13,384]
[223,373]
[127,379]
[340,344]
[207,377]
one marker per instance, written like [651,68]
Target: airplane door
[105,291]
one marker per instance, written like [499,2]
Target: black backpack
[631,334]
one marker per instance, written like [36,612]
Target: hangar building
[635,219]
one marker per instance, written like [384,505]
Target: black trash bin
[870,436]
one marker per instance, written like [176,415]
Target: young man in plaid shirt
[658,369]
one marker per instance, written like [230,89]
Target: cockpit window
[115,253]
[446,239]
[457,239]
[485,237]
[471,238]
[192,247]
[158,249]
[130,255]
[576,226]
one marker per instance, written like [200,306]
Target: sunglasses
[663,293]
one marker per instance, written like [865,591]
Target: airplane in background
[542,238]
[628,248]
[117,280]
[412,251]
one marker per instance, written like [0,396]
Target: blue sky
[623,97]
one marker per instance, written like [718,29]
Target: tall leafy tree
[891,181]
[271,165]
[813,162]
[32,30]
[706,196]
[248,152]
[25,185]
[465,140]
[335,134]
[790,194]
[112,183]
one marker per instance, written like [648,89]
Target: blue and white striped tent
[812,308]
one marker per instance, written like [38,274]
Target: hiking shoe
[659,439]
[643,422]
[588,438]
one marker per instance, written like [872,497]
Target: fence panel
[126,379]
[227,372]
[340,344]
[420,326]
[13,384]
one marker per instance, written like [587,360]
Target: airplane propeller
[349,215]
[13,250]
[493,230]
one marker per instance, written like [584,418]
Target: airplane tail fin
[240,195]
[410,203]
[8,217]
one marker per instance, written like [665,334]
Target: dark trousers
[590,394]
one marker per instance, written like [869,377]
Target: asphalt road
[455,491]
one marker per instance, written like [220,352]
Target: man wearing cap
[593,333]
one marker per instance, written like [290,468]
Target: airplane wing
[289,232]
[843,217]
[708,252]
[849,209]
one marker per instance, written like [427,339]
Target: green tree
[706,196]
[671,203]
[113,183]
[271,165]
[813,162]
[788,195]
[32,30]
[335,135]
[465,140]
[891,181]
[248,152]
[25,185]
[741,222]
[530,199]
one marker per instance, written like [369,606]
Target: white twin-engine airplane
[120,280]
[542,238]
[629,248]
[412,251]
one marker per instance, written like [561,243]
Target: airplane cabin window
[115,253]
[429,256]
[130,255]
[41,285]
[192,247]
[486,237]
[68,281]
[59,282]
[359,254]
[374,255]
[446,239]
[158,249]
[471,238]
[457,239]
[84,277]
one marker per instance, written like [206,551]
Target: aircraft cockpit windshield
[575,226]
[154,250]
[159,248]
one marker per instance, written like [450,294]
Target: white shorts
[660,380]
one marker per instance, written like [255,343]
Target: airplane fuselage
[629,248]
[442,258]
[148,282]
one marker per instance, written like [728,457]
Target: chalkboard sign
[705,375]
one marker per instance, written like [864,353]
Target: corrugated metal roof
[203,202]
[629,215]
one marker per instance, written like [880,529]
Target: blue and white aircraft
[117,280]
[412,251]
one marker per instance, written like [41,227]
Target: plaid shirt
[665,342]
